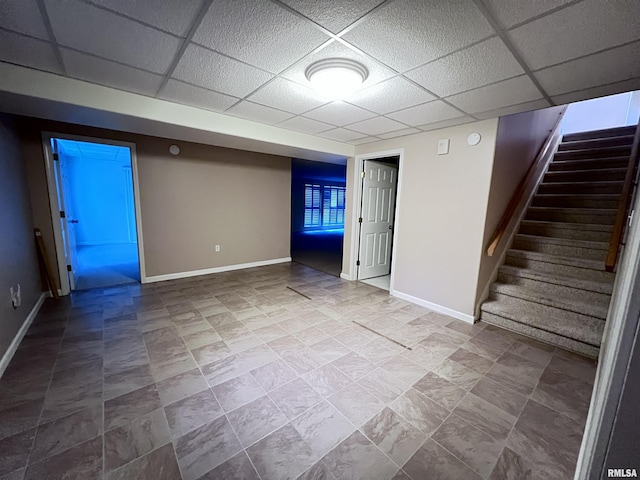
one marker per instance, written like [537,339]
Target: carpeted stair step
[540,335]
[622,140]
[561,246]
[597,200]
[592,175]
[599,216]
[570,231]
[589,164]
[559,265]
[603,152]
[510,293]
[586,188]
[604,133]
[569,287]
[576,326]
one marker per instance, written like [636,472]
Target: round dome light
[336,78]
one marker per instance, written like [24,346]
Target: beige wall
[205,196]
[518,142]
[18,258]
[442,203]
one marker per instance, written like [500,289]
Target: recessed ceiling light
[336,78]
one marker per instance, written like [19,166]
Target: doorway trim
[65,288]
[356,198]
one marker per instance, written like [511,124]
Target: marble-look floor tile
[485,416]
[357,458]
[564,393]
[273,375]
[127,381]
[19,416]
[181,386]
[511,466]
[128,407]
[160,464]
[160,335]
[317,472]
[15,451]
[61,434]
[378,351]
[354,366]
[471,360]
[500,395]
[439,389]
[206,447]
[533,351]
[295,397]
[222,370]
[206,335]
[210,353]
[192,412]
[573,365]
[419,410]
[15,475]
[127,442]
[330,349]
[171,366]
[236,468]
[356,403]
[304,361]
[484,349]
[288,345]
[394,436]
[256,419]
[83,461]
[405,370]
[238,391]
[431,461]
[458,374]
[322,427]
[549,439]
[327,380]
[516,372]
[383,385]
[310,335]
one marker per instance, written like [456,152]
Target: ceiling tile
[179,92]
[425,113]
[258,113]
[611,89]
[287,96]
[408,33]
[337,49]
[305,125]
[447,123]
[169,15]
[341,134]
[484,63]
[332,15]
[260,33]
[508,13]
[400,133]
[362,141]
[523,107]
[216,72]
[586,72]
[22,16]
[110,74]
[339,113]
[502,94]
[580,29]
[390,95]
[376,126]
[90,29]
[29,52]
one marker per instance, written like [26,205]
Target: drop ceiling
[431,63]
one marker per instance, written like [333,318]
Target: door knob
[390,227]
[76,221]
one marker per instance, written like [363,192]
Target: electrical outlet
[217,248]
[16,296]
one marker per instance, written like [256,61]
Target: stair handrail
[531,178]
[623,204]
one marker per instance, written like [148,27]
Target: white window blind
[323,205]
[312,204]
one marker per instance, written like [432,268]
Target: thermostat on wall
[473,138]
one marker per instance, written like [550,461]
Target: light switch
[443,146]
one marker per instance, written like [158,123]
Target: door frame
[55,207]
[356,198]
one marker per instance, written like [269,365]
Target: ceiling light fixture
[336,78]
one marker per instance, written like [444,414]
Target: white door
[67,220]
[376,228]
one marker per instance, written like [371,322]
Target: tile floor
[236,376]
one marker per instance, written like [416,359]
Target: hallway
[102,266]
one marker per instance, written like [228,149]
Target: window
[323,205]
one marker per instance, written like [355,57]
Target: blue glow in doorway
[98,191]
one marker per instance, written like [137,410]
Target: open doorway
[318,193]
[95,212]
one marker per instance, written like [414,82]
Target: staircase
[553,286]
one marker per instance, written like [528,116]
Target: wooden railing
[623,204]
[528,184]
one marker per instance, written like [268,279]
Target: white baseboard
[208,271]
[8,355]
[465,317]
[345,276]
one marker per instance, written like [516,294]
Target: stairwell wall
[518,141]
